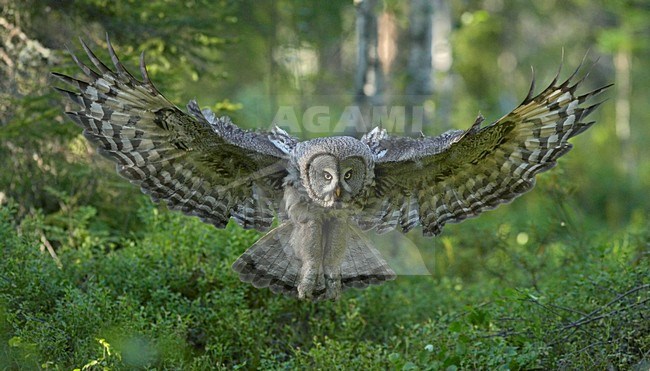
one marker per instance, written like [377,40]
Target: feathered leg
[312,255]
[335,246]
[307,242]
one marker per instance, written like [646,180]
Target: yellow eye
[327,175]
[347,175]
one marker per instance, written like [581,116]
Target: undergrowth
[167,299]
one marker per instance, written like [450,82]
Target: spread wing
[433,181]
[196,163]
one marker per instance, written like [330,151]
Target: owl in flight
[324,192]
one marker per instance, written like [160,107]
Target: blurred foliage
[557,279]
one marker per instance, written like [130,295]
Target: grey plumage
[462,173]
[325,191]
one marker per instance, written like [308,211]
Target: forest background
[93,275]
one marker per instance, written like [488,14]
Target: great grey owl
[325,192]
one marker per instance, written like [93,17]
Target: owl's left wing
[435,180]
[195,162]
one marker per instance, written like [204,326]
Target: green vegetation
[167,299]
[94,276]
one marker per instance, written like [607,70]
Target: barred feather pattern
[434,181]
[271,263]
[206,166]
[195,162]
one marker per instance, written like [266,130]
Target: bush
[168,299]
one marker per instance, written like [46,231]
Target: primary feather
[196,163]
[206,166]
[435,180]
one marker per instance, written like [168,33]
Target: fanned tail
[363,265]
[271,262]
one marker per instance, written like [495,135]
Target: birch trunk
[369,80]
[442,62]
[623,66]
[419,64]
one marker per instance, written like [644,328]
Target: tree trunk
[369,81]
[419,65]
[272,43]
[623,66]
[442,61]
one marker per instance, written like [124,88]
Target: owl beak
[337,192]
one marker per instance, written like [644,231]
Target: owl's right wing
[433,181]
[196,163]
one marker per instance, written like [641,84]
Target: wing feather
[460,174]
[194,162]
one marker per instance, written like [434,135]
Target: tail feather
[363,265]
[271,262]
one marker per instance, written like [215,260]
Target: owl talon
[307,286]
[304,291]
[332,287]
[321,189]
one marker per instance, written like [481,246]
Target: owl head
[335,170]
